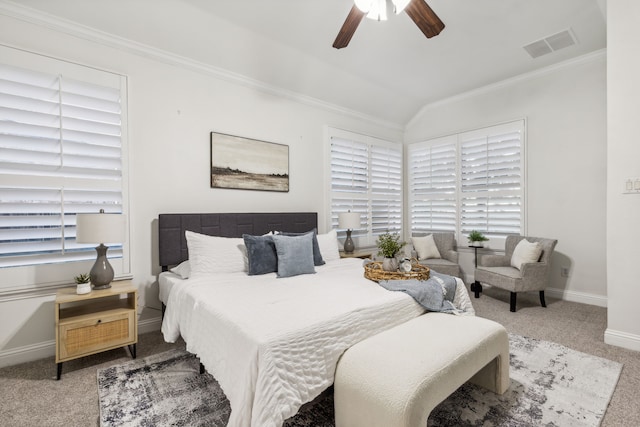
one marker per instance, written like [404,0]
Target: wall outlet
[564,271]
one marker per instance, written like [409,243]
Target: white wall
[172,109]
[623,159]
[565,110]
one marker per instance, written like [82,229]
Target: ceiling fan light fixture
[418,10]
[364,5]
[399,5]
[375,9]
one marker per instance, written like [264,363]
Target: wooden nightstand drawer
[111,329]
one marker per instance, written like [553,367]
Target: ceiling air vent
[551,43]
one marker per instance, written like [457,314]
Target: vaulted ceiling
[389,70]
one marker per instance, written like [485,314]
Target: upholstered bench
[397,377]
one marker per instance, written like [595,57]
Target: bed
[271,342]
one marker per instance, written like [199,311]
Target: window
[432,168]
[491,175]
[366,177]
[62,152]
[469,181]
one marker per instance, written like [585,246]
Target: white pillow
[524,252]
[213,254]
[183,269]
[425,247]
[328,244]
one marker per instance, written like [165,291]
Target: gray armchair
[448,264]
[496,270]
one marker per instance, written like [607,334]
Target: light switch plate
[631,186]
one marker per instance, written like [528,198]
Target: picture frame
[248,164]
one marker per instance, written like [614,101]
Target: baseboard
[573,296]
[149,325]
[29,353]
[622,339]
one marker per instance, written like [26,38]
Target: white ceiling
[389,70]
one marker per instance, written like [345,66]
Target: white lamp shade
[400,5]
[100,228]
[349,220]
[364,5]
[377,9]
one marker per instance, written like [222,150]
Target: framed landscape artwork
[248,164]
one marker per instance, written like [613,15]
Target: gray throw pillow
[261,254]
[295,254]
[317,256]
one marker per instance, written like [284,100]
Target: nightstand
[358,253]
[98,321]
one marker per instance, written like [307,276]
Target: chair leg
[512,307]
[542,302]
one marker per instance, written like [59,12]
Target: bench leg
[495,375]
[542,301]
[512,307]
[59,371]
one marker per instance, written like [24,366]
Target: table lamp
[100,228]
[350,221]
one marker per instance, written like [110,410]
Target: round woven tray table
[373,271]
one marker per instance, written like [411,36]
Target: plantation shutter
[492,180]
[366,177]
[469,181]
[349,180]
[386,189]
[61,153]
[432,183]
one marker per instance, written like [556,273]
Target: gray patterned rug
[551,385]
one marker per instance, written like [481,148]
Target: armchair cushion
[525,252]
[425,247]
[494,261]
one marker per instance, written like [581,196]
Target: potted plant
[476,238]
[82,280]
[388,246]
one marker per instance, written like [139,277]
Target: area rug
[551,385]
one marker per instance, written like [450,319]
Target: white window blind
[366,177]
[432,183]
[386,189]
[469,181]
[491,180]
[61,153]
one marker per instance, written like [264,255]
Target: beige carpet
[32,397]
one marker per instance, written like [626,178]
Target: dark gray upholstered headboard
[171,228]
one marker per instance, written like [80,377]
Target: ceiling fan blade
[424,17]
[348,28]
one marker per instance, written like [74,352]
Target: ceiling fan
[418,11]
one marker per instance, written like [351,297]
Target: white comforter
[273,344]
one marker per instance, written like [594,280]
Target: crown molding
[583,59]
[36,17]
